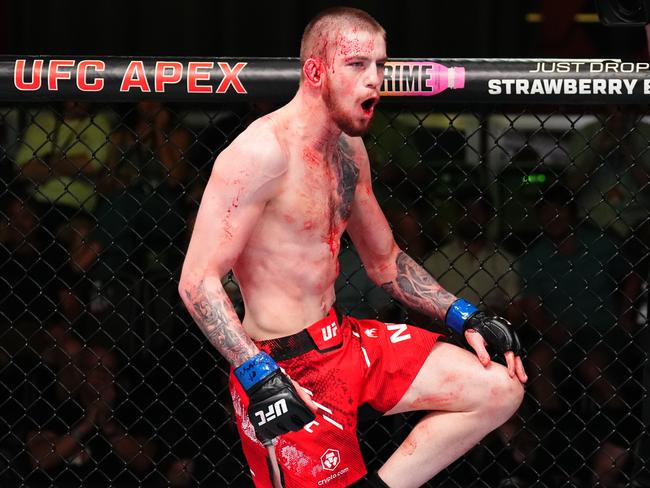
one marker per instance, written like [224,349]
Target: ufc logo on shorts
[273,411]
[329,331]
[398,335]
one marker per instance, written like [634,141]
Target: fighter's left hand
[484,330]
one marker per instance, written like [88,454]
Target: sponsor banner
[115,79]
[544,81]
[205,80]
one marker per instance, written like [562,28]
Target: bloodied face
[354,74]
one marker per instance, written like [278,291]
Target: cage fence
[536,212]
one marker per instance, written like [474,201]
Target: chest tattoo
[347,175]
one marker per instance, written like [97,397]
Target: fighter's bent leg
[466,401]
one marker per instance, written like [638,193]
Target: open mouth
[369,103]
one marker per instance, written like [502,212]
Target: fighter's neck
[311,119]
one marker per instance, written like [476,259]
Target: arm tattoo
[214,314]
[416,288]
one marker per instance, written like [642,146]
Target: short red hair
[318,33]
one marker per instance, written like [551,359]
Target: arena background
[89,299]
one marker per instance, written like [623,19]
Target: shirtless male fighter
[274,209]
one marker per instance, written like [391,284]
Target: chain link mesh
[540,215]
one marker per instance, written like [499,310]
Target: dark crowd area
[442,29]
[105,378]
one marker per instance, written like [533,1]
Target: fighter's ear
[313,71]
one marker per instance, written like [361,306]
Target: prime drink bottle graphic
[420,78]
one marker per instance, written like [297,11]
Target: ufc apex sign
[89,75]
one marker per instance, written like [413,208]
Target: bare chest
[318,196]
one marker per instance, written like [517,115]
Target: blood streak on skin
[439,401]
[332,242]
[385,267]
[235,201]
[409,446]
[310,156]
[349,47]
[227,226]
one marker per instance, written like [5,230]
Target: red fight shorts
[341,365]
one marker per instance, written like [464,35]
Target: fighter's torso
[288,267]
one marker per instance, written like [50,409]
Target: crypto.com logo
[330,459]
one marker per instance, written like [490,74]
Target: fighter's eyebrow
[356,57]
[364,58]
